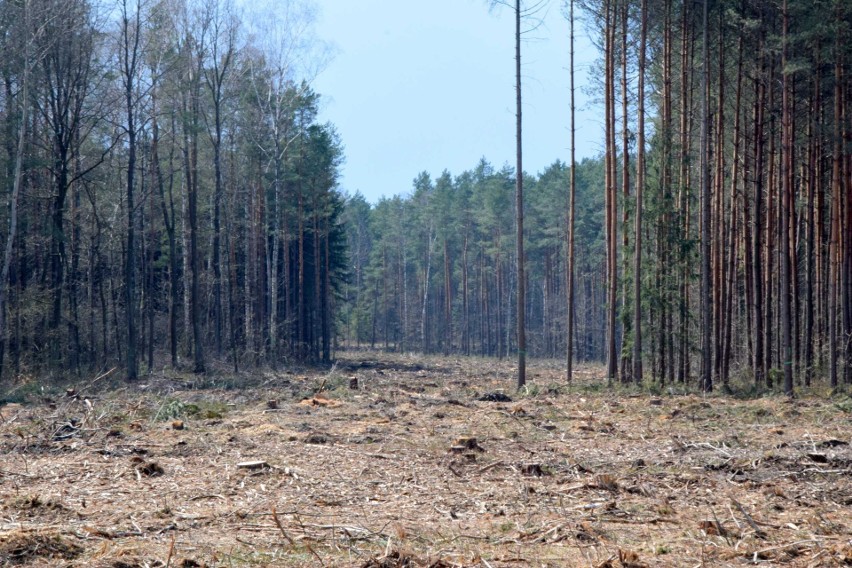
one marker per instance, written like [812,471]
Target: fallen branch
[171,551]
[489,467]
[760,533]
[281,527]
[758,553]
[10,473]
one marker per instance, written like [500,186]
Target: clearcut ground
[426,461]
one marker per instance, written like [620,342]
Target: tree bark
[519,206]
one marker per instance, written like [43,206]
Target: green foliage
[172,408]
[843,404]
[458,229]
[24,392]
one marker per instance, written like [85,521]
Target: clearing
[424,462]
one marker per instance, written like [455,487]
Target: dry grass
[413,469]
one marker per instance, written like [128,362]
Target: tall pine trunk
[519,207]
[706,288]
[569,279]
[640,183]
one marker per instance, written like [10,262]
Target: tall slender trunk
[810,251]
[316,319]
[199,365]
[519,206]
[327,297]
[834,239]
[640,183]
[684,205]
[276,247]
[168,212]
[759,362]
[465,300]
[448,300]
[611,200]
[666,333]
[718,223]
[770,240]
[732,239]
[569,279]
[217,232]
[424,316]
[130,49]
[17,179]
[706,287]
[786,205]
[626,323]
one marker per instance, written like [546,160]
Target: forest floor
[428,462]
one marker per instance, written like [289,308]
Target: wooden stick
[281,527]
[757,530]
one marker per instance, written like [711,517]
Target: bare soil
[428,462]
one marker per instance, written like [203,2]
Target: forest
[711,239]
[171,197]
[172,200]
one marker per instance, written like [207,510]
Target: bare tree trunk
[706,288]
[718,222]
[809,238]
[834,240]
[626,323]
[199,365]
[465,300]
[216,75]
[640,183]
[519,206]
[786,204]
[759,363]
[684,206]
[424,306]
[772,213]
[611,201]
[448,300]
[17,178]
[569,279]
[732,239]
[129,59]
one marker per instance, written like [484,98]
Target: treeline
[714,235]
[170,197]
[433,271]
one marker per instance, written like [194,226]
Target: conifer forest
[171,199]
[710,240]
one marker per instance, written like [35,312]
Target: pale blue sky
[429,85]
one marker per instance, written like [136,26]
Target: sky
[429,85]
